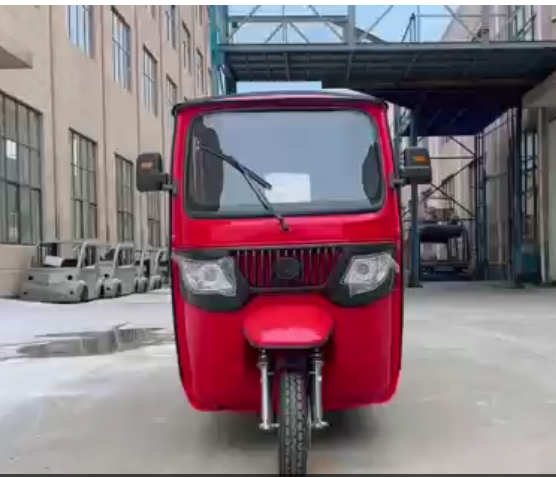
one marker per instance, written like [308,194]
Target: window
[150,82]
[80,26]
[522,22]
[200,64]
[20,173]
[121,50]
[125,199]
[171,19]
[186,49]
[84,187]
[304,170]
[153,219]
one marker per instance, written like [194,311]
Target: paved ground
[478,396]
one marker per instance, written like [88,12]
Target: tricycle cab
[118,269]
[63,272]
[150,265]
[142,270]
[286,252]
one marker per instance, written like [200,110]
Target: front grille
[316,265]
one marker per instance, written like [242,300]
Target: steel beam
[517,194]
[387,47]
[273,19]
[481,212]
[415,273]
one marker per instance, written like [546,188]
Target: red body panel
[293,322]
[363,355]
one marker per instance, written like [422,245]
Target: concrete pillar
[551,206]
[547,186]
[543,164]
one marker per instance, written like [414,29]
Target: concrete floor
[478,395]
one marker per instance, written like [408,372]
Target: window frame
[154,219]
[171,99]
[121,51]
[171,16]
[24,179]
[187,48]
[125,199]
[84,199]
[80,25]
[150,82]
[200,70]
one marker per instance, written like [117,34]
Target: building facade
[83,90]
[454,171]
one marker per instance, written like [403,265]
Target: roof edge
[347,95]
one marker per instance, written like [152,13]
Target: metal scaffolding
[453,88]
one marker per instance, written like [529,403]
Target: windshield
[315,162]
[57,254]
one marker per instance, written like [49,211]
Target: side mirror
[417,167]
[149,173]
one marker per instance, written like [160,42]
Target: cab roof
[337,94]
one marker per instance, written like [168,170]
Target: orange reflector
[421,159]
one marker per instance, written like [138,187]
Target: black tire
[293,431]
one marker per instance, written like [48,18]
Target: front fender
[111,287]
[288,326]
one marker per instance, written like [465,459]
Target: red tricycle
[286,247]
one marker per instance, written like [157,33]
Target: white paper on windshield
[288,188]
[53,261]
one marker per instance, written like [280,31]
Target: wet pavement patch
[115,340]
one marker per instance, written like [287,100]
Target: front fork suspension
[267,407]
[268,422]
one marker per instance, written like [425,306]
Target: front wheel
[294,424]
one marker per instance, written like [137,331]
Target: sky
[391,28]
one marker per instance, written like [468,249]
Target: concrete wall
[72,90]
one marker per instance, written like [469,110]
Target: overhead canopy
[455,88]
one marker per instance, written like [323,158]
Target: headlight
[209,277]
[366,273]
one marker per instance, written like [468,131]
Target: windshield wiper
[253,179]
[238,166]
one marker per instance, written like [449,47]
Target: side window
[126,257]
[206,170]
[90,257]
[196,170]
